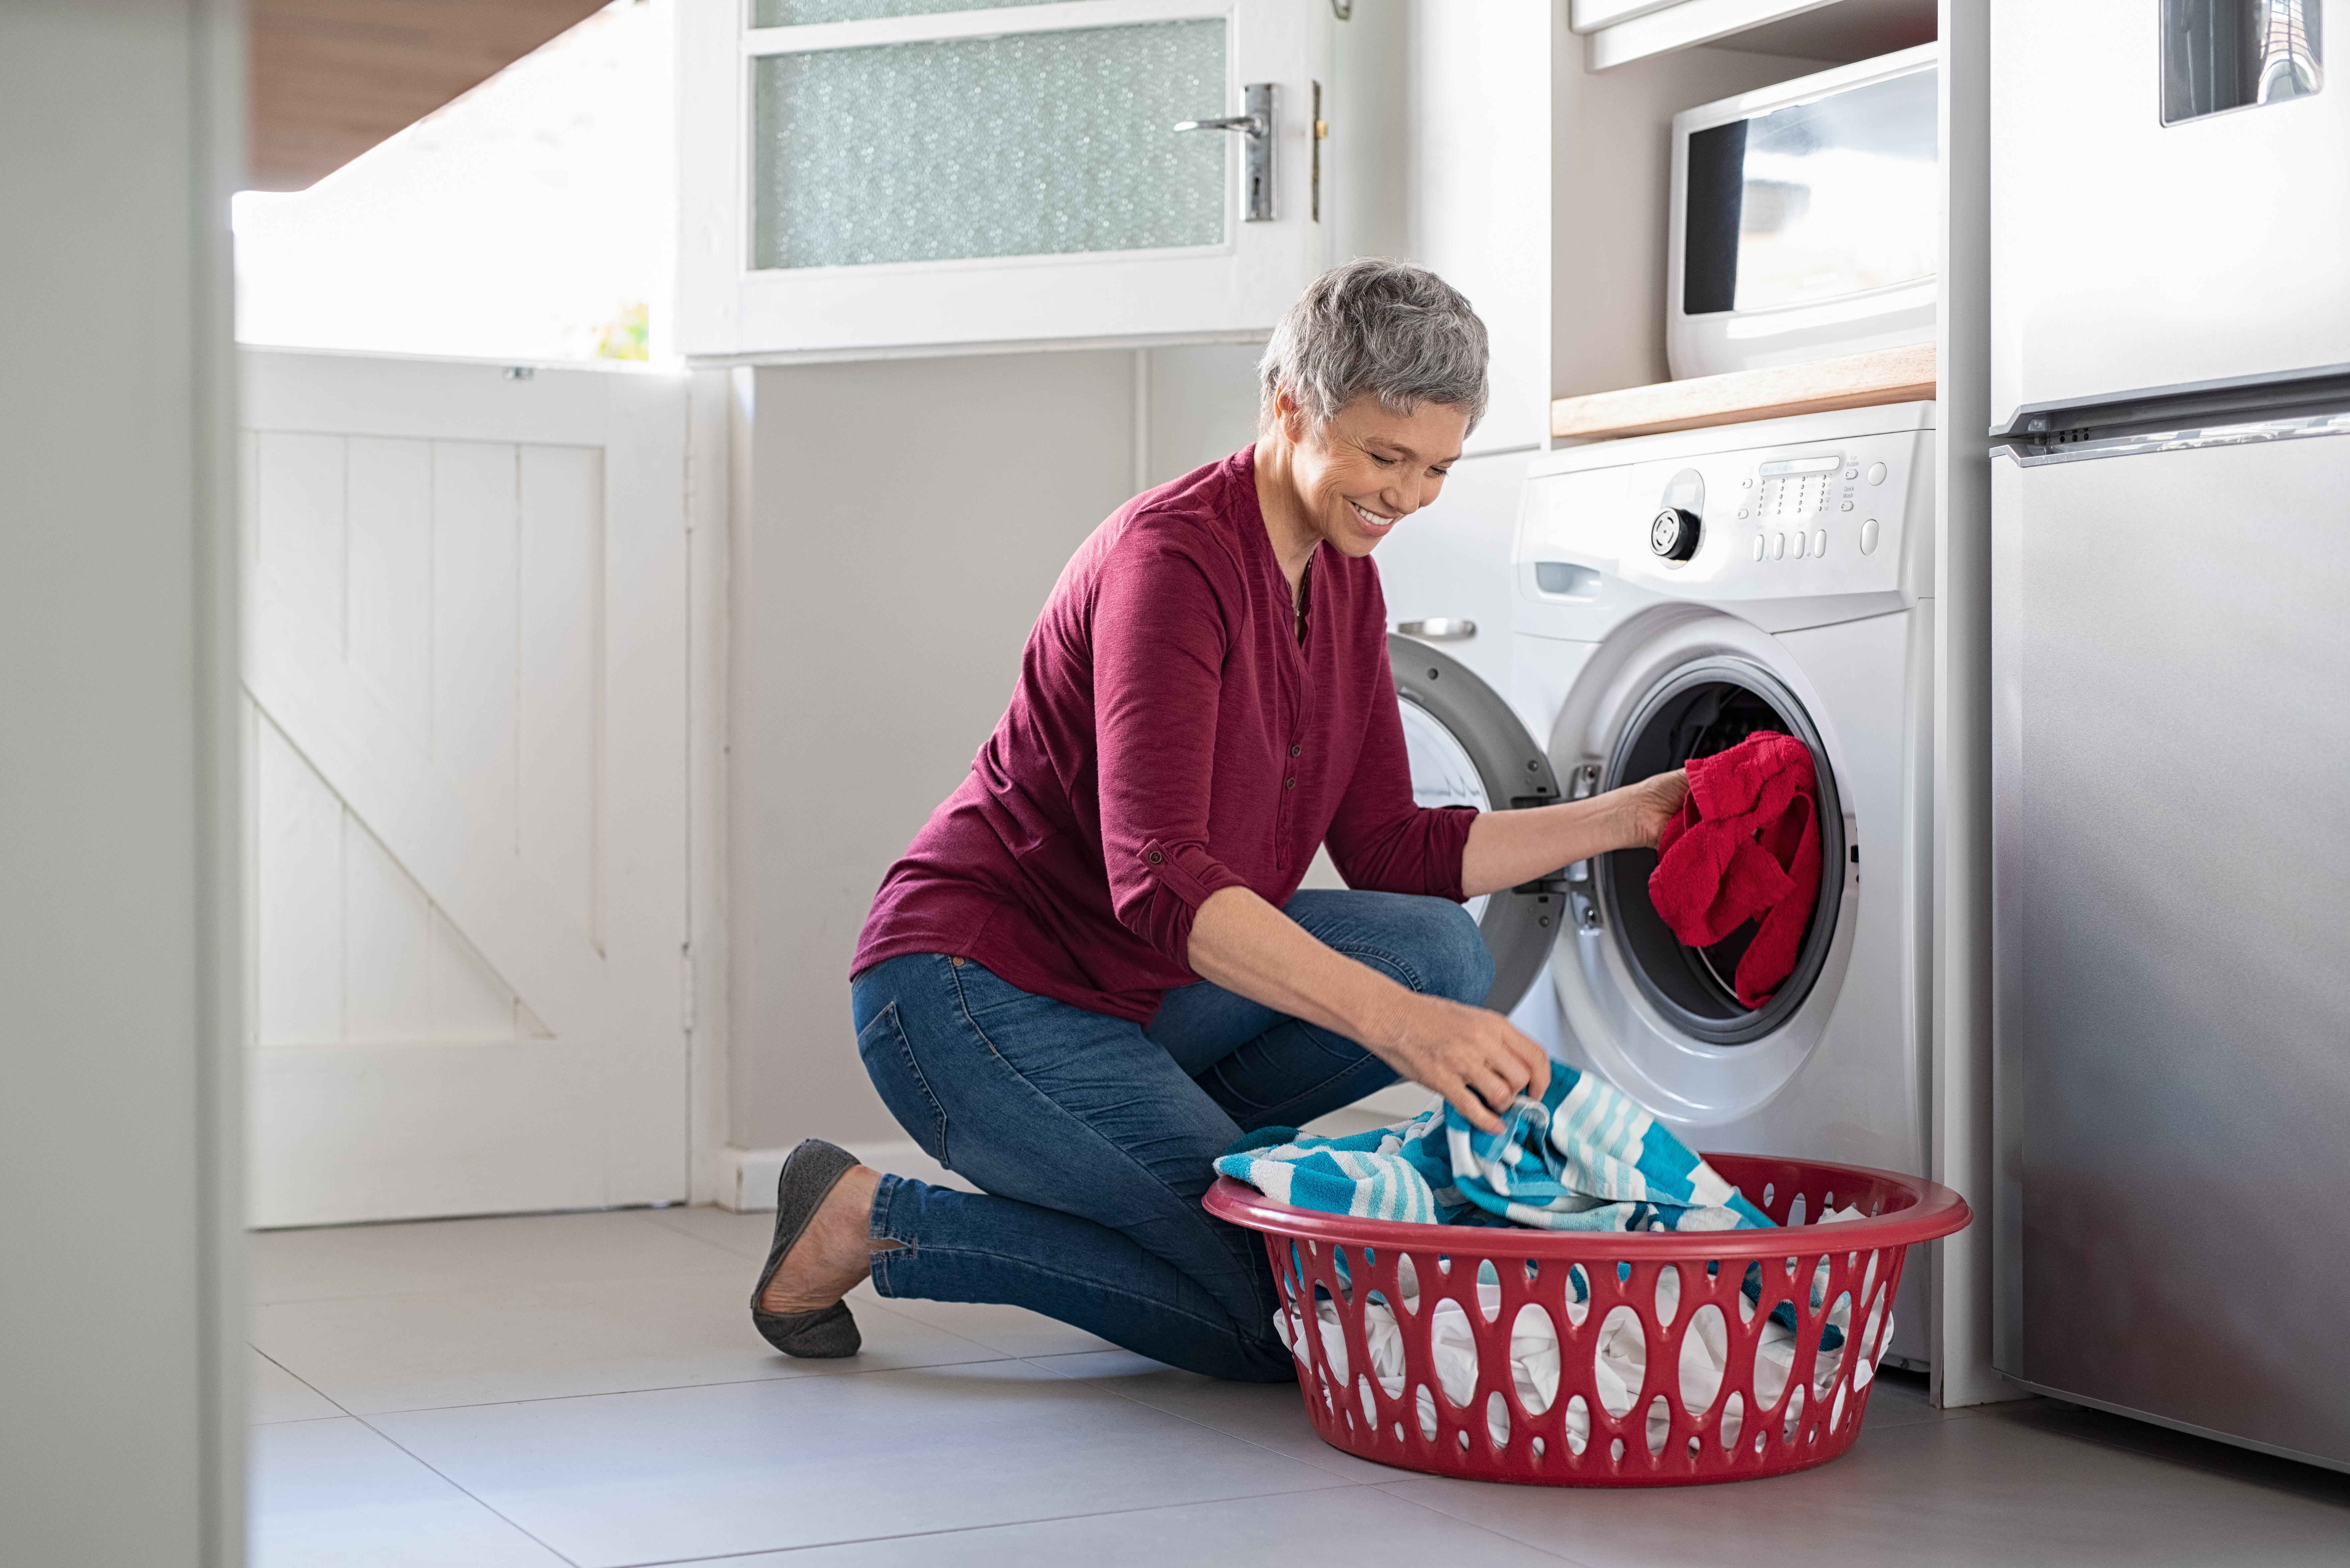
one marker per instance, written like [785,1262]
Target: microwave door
[2172,973]
[2170,187]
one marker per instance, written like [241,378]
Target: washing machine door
[1661,1018]
[1467,748]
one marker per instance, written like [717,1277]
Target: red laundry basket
[1495,1437]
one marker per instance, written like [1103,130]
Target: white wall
[122,1420]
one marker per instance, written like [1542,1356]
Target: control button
[1758,547]
[1778,546]
[1741,511]
[1746,484]
[1848,507]
[1819,542]
[1869,537]
[1802,543]
[1875,474]
[1672,534]
[1852,474]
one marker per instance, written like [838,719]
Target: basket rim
[1934,1210]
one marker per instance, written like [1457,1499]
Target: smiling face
[1350,479]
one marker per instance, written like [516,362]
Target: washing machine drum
[1699,709]
[1468,749]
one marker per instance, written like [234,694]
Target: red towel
[1745,843]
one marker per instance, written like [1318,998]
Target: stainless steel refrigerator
[2171,674]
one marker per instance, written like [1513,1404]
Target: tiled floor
[587,1389]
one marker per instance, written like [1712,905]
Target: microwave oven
[1806,219]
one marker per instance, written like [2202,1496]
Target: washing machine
[1671,594]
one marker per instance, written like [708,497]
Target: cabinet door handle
[1256,152]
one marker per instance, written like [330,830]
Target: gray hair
[1396,331]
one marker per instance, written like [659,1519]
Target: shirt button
[1289,783]
[1297,750]
[1156,858]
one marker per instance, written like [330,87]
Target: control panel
[1821,507]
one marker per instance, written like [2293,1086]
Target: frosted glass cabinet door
[891,174]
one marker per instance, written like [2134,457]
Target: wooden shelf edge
[1848,381]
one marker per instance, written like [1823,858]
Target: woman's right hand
[1472,1056]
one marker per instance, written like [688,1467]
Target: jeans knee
[1452,956]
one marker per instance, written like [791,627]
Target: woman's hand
[1650,804]
[1472,1055]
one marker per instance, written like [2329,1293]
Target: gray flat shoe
[811,1173]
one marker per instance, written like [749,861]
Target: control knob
[1673,534]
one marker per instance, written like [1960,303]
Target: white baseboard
[747,1176]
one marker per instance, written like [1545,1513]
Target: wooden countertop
[1849,381]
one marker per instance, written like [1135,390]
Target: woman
[1094,971]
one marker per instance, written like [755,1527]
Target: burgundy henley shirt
[1170,737]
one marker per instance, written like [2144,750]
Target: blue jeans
[1094,1137]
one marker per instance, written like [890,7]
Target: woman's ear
[1289,416]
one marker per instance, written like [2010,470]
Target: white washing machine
[1673,594]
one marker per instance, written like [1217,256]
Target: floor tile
[1902,1400]
[1270,1415]
[473,1254]
[334,1494]
[1994,1489]
[747,1236]
[274,1394]
[754,1466]
[418,1352]
[1352,1529]
[1015,1331]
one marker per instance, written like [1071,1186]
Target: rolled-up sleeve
[1161,636]
[1380,838]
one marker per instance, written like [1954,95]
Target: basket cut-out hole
[1864,1369]
[1758,1443]
[1537,1445]
[1668,1294]
[1350,1421]
[1791,1268]
[1795,1416]
[1615,1450]
[1346,1275]
[1661,1423]
[1497,1418]
[1836,1412]
[1828,1205]
[1769,1191]
[1370,1257]
[1819,1283]
[1489,1291]
[1453,1346]
[1578,1424]
[1333,1332]
[1329,1404]
[1370,1406]
[1296,1266]
[1795,1212]
[1384,1338]
[1705,1351]
[1750,1281]
[1578,1296]
[1868,1275]
[1425,1403]
[1399,1431]
[1836,1337]
[1444,1264]
[1533,1270]
[1733,1418]
[1533,1358]
[1463,1435]
[1616,1360]
[1313,1249]
[1692,1446]
[1408,1282]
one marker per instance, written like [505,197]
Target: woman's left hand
[1651,803]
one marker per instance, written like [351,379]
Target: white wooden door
[879,175]
[466,657]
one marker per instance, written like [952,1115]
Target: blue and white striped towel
[1585,1157]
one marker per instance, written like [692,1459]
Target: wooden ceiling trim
[330,79]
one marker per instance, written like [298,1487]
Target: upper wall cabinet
[893,175]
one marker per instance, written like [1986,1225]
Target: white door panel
[1050,122]
[465,647]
